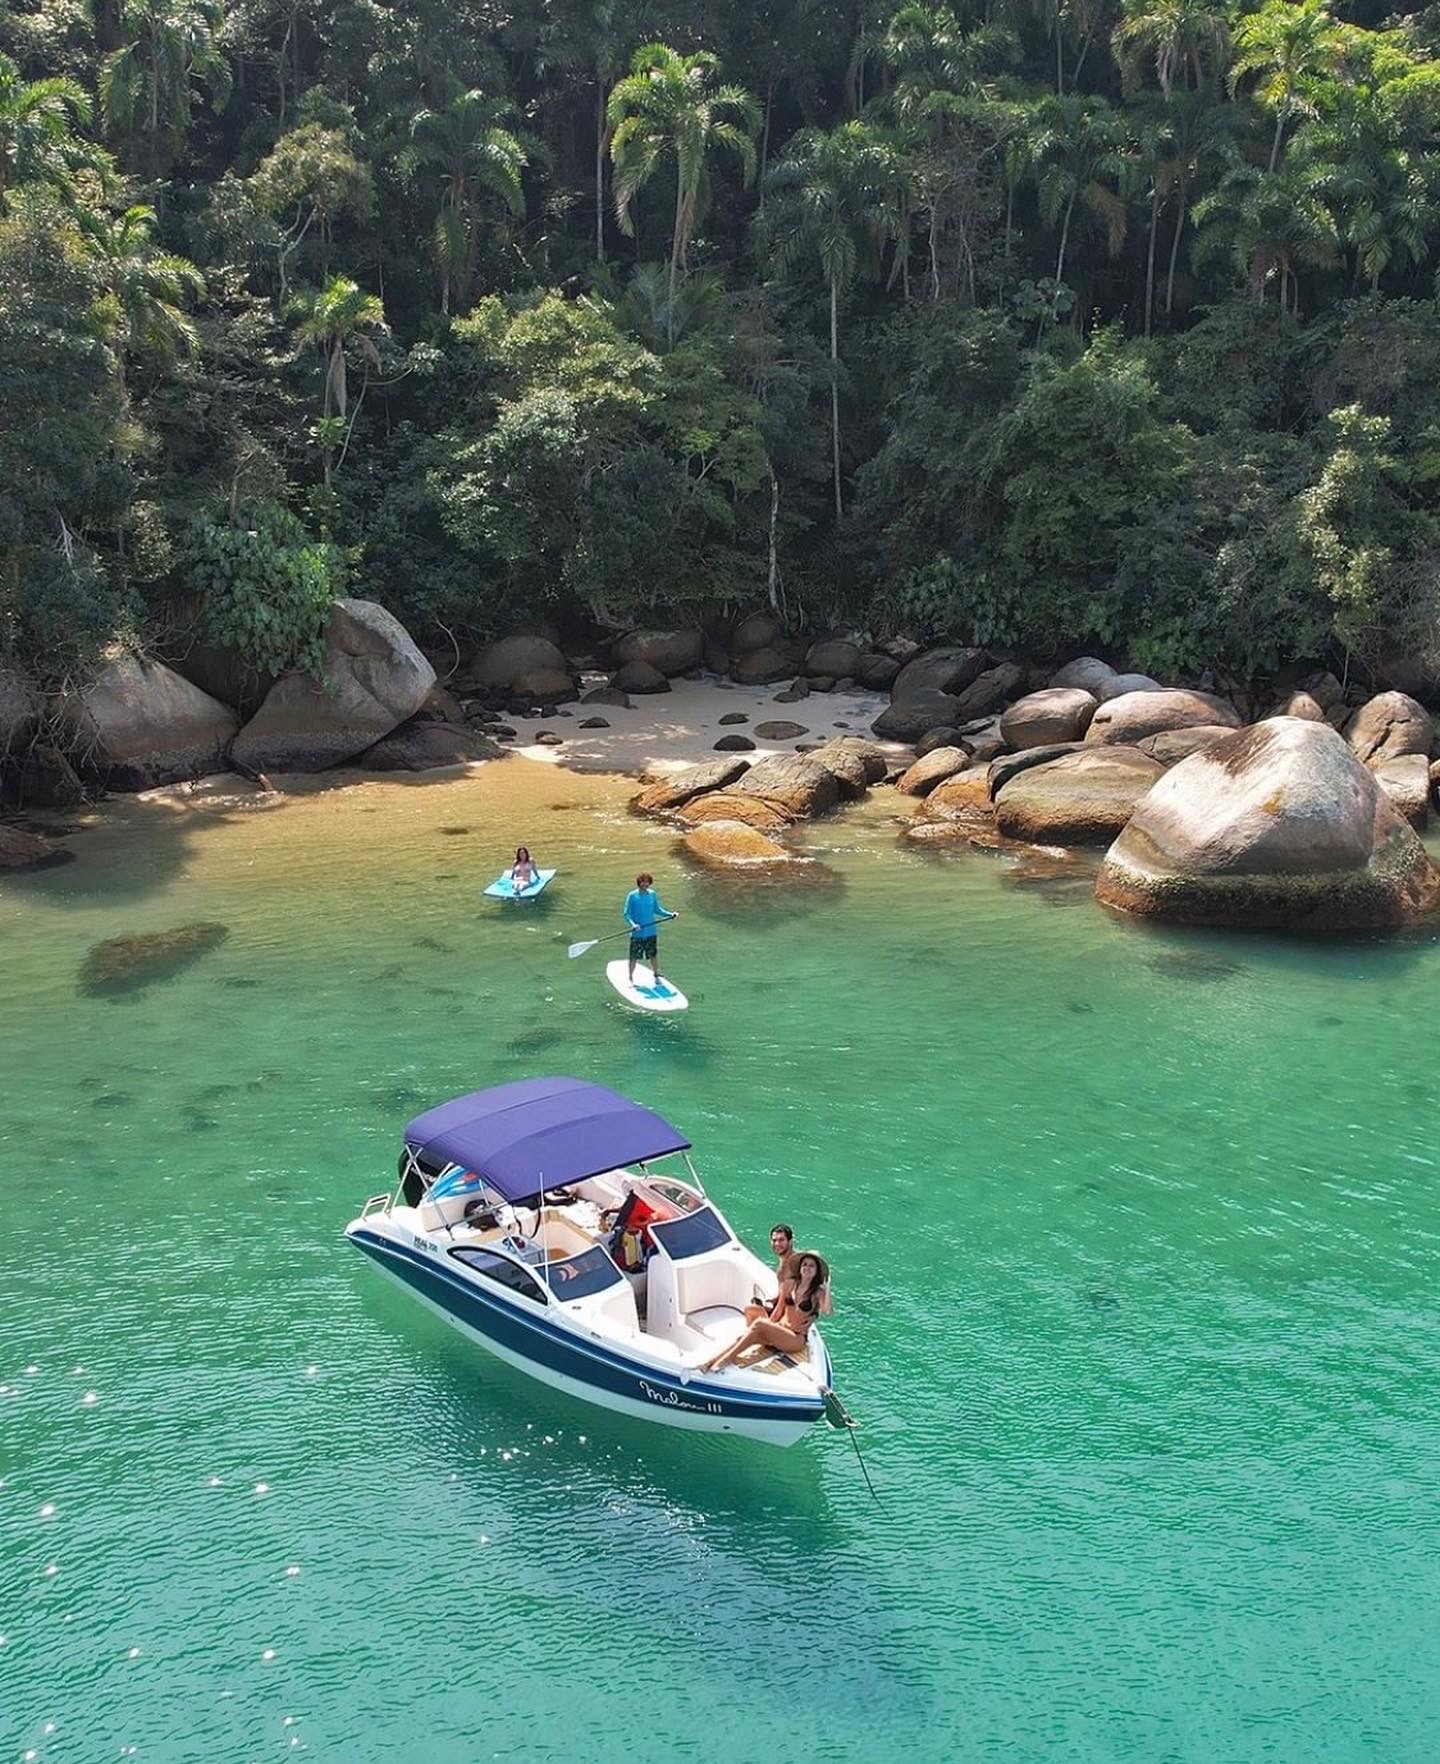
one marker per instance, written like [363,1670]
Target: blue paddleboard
[504,889]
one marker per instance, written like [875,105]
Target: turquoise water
[1136,1241]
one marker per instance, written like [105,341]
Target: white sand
[667,731]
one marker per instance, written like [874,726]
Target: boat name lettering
[672,1399]
[422,1243]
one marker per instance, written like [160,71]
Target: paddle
[578,949]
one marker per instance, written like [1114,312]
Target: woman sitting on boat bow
[808,1299]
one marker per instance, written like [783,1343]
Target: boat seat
[721,1324]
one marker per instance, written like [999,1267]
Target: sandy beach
[670,730]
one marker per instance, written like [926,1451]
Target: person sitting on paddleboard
[643,913]
[522,871]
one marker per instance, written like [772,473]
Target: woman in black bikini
[790,1332]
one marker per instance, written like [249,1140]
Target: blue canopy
[541,1132]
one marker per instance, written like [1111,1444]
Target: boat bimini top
[525,1138]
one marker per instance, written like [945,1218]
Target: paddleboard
[645,995]
[504,889]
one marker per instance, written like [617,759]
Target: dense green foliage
[1103,322]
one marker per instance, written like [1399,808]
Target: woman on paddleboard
[643,913]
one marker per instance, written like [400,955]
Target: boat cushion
[719,1323]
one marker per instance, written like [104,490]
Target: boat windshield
[691,1236]
[578,1276]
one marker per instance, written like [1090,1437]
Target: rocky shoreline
[1298,813]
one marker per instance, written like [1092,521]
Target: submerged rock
[732,843]
[21,849]
[123,964]
[1277,826]
[957,807]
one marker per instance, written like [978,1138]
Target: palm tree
[330,319]
[38,119]
[149,287]
[476,158]
[1289,44]
[1188,38]
[1383,192]
[669,105]
[1076,146]
[828,202]
[147,86]
[1272,224]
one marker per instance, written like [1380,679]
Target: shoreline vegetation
[381,383]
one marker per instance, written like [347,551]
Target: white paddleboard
[645,995]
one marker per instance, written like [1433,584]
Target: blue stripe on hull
[586,1363]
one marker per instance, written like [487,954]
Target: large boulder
[908,718]
[731,844]
[939,670]
[733,805]
[639,677]
[1301,704]
[505,663]
[673,792]
[1171,746]
[375,678]
[21,707]
[876,671]
[1278,826]
[1082,798]
[1059,713]
[1406,781]
[988,691]
[225,673]
[42,777]
[672,652]
[1128,719]
[1087,672]
[836,657]
[544,686]
[1389,725]
[1006,766]
[1119,684]
[422,744]
[848,751]
[794,784]
[760,667]
[760,630]
[847,762]
[959,807]
[931,769]
[138,724]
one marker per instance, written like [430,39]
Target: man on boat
[782,1241]
[643,913]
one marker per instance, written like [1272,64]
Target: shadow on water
[1206,955]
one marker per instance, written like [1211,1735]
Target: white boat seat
[721,1324]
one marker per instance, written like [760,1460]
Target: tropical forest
[1030,323]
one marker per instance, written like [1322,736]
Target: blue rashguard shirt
[644,911]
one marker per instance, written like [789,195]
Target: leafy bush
[266,586]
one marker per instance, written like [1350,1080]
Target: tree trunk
[1059,58]
[675,245]
[1064,241]
[1150,259]
[773,573]
[935,250]
[835,393]
[765,139]
[599,170]
[1275,144]
[1174,253]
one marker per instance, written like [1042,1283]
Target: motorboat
[564,1228]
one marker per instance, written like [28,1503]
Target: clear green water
[1136,1238]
